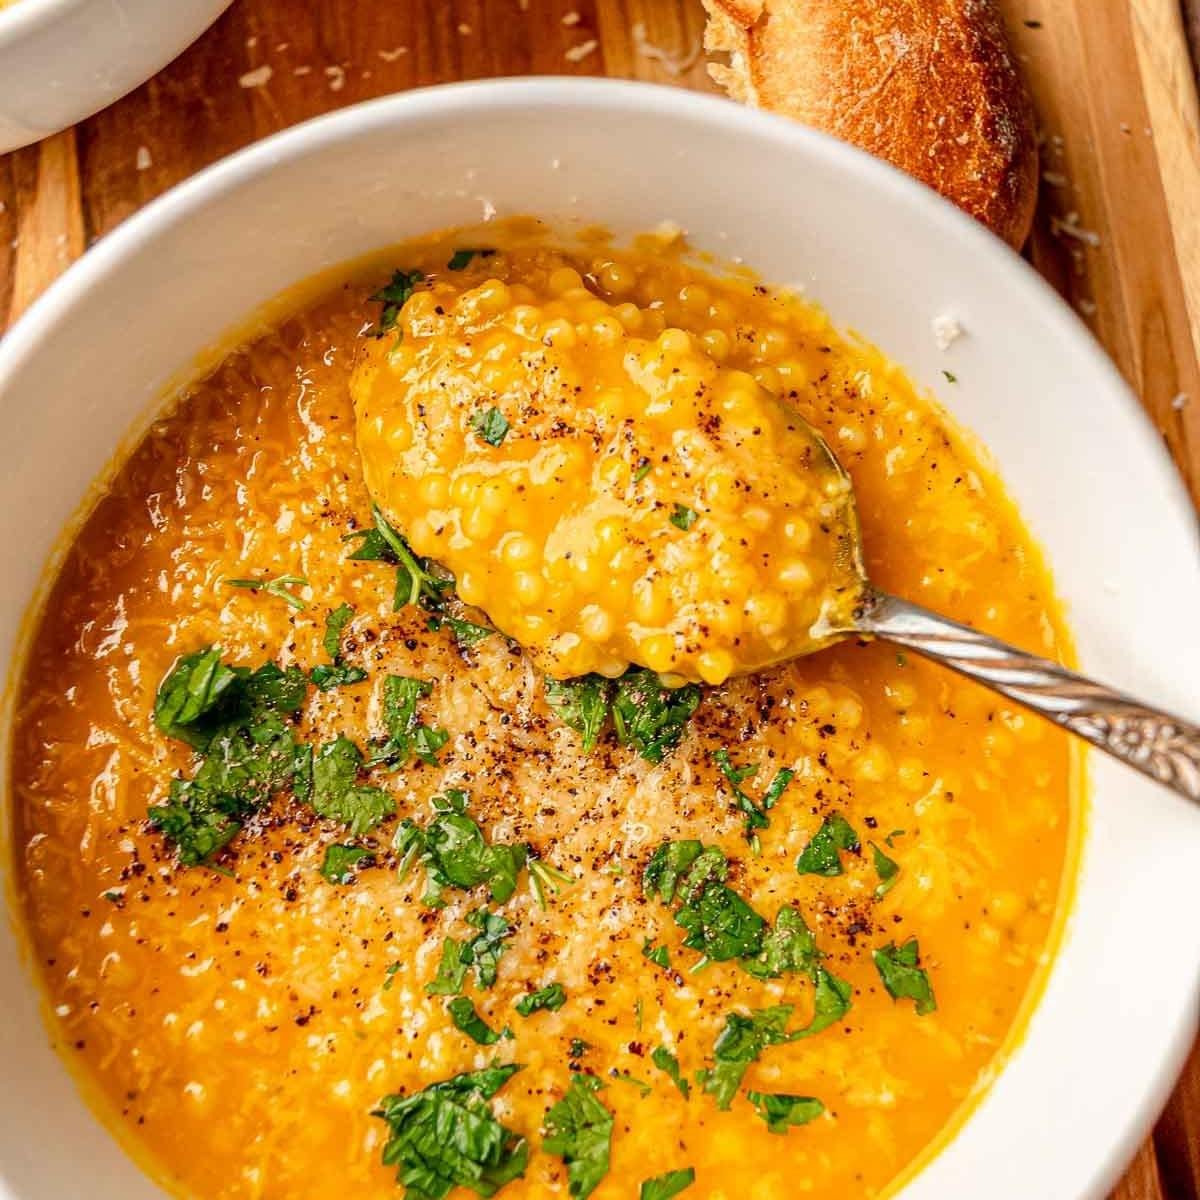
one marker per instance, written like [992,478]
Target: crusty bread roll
[929,85]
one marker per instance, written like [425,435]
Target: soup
[311,857]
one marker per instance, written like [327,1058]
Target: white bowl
[62,60]
[81,374]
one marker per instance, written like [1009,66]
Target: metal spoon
[1160,745]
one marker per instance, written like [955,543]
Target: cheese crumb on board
[259,77]
[946,330]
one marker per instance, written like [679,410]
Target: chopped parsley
[406,734]
[718,922]
[900,969]
[393,296]
[277,587]
[462,258]
[335,673]
[466,633]
[781,1111]
[337,793]
[650,717]
[665,1061]
[577,1048]
[950,376]
[462,1013]
[447,1136]
[624,1077]
[683,517]
[491,425]
[831,1002]
[580,1130]
[643,468]
[665,1187]
[646,715]
[481,953]
[789,947]
[744,1038]
[821,855]
[551,997]
[660,956]
[887,869]
[756,813]
[235,719]
[455,853]
[582,704]
[542,876]
[391,975]
[417,579]
[340,862]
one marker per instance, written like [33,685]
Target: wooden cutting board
[1118,229]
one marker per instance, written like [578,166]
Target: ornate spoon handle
[1159,745]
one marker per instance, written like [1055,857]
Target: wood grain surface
[1118,230]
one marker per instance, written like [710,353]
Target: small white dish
[62,60]
[86,368]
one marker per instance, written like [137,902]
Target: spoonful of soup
[615,493]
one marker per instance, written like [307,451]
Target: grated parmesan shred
[673,64]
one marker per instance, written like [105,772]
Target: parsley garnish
[391,975]
[660,956]
[462,1013]
[393,295]
[406,735]
[337,793]
[581,1131]
[719,923]
[455,852]
[831,1002]
[756,814]
[633,1081]
[887,869]
[743,1039]
[646,715]
[466,633]
[491,425]
[665,1061]
[582,704]
[683,517]
[341,861]
[415,577]
[820,856]
[643,469]
[277,587]
[950,376]
[665,1187]
[482,953]
[900,969]
[780,1111]
[461,258]
[234,717]
[789,947]
[542,876]
[335,673]
[650,717]
[551,997]
[447,1136]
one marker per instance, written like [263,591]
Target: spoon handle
[1159,745]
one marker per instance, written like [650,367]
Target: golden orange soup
[297,830]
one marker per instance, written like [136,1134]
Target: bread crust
[929,85]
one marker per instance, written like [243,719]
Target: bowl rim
[22,17]
[1095,1171]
